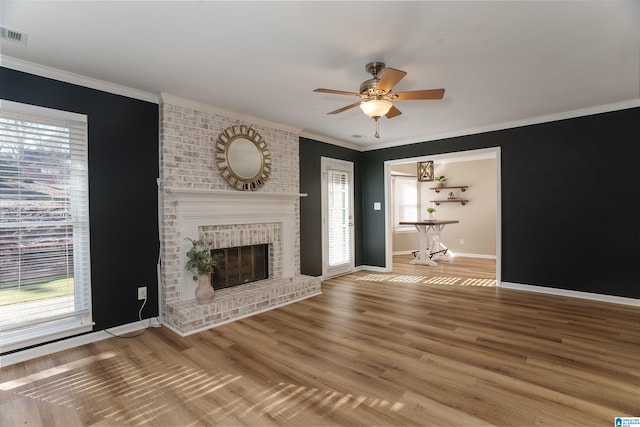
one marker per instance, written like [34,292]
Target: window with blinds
[45,290]
[405,202]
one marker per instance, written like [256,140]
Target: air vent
[13,35]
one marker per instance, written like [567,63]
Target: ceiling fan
[377,96]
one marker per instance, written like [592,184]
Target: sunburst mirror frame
[224,157]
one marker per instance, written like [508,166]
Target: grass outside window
[14,294]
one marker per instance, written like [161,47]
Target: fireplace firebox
[240,265]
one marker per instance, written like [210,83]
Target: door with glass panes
[337,217]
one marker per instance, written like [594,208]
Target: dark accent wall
[311,153]
[570,201]
[123,201]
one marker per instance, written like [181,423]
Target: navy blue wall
[123,202]
[570,201]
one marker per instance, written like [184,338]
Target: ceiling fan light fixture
[377,94]
[376,107]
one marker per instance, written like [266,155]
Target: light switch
[377,206]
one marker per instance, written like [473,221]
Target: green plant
[200,261]
[440,178]
[431,210]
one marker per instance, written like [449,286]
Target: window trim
[396,227]
[18,336]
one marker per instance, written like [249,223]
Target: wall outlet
[142,293]
[462,241]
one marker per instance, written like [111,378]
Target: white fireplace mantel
[200,208]
[191,194]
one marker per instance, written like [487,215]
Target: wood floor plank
[417,346]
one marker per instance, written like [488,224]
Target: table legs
[423,256]
[437,251]
[429,236]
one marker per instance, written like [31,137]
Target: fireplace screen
[241,264]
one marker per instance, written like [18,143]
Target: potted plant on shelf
[430,213]
[440,180]
[202,264]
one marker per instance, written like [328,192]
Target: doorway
[454,210]
[337,217]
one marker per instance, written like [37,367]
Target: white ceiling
[500,62]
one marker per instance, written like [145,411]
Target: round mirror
[243,158]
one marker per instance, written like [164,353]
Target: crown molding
[188,103]
[56,74]
[67,77]
[624,105]
[332,141]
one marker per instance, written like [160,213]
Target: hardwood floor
[373,349]
[468,271]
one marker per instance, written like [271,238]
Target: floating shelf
[461,187]
[437,202]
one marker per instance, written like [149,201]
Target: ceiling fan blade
[393,112]
[348,107]
[337,92]
[418,94]
[390,77]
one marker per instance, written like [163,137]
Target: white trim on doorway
[480,154]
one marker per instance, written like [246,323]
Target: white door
[337,217]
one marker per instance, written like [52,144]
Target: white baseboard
[572,294]
[372,268]
[475,255]
[54,347]
[360,268]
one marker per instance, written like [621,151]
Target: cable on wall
[140,319]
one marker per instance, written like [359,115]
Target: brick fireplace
[196,202]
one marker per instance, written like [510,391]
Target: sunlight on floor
[46,373]
[405,279]
[402,278]
[479,282]
[139,391]
[288,400]
[131,391]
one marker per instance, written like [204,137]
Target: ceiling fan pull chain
[377,128]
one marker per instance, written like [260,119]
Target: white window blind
[338,215]
[405,202]
[45,290]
